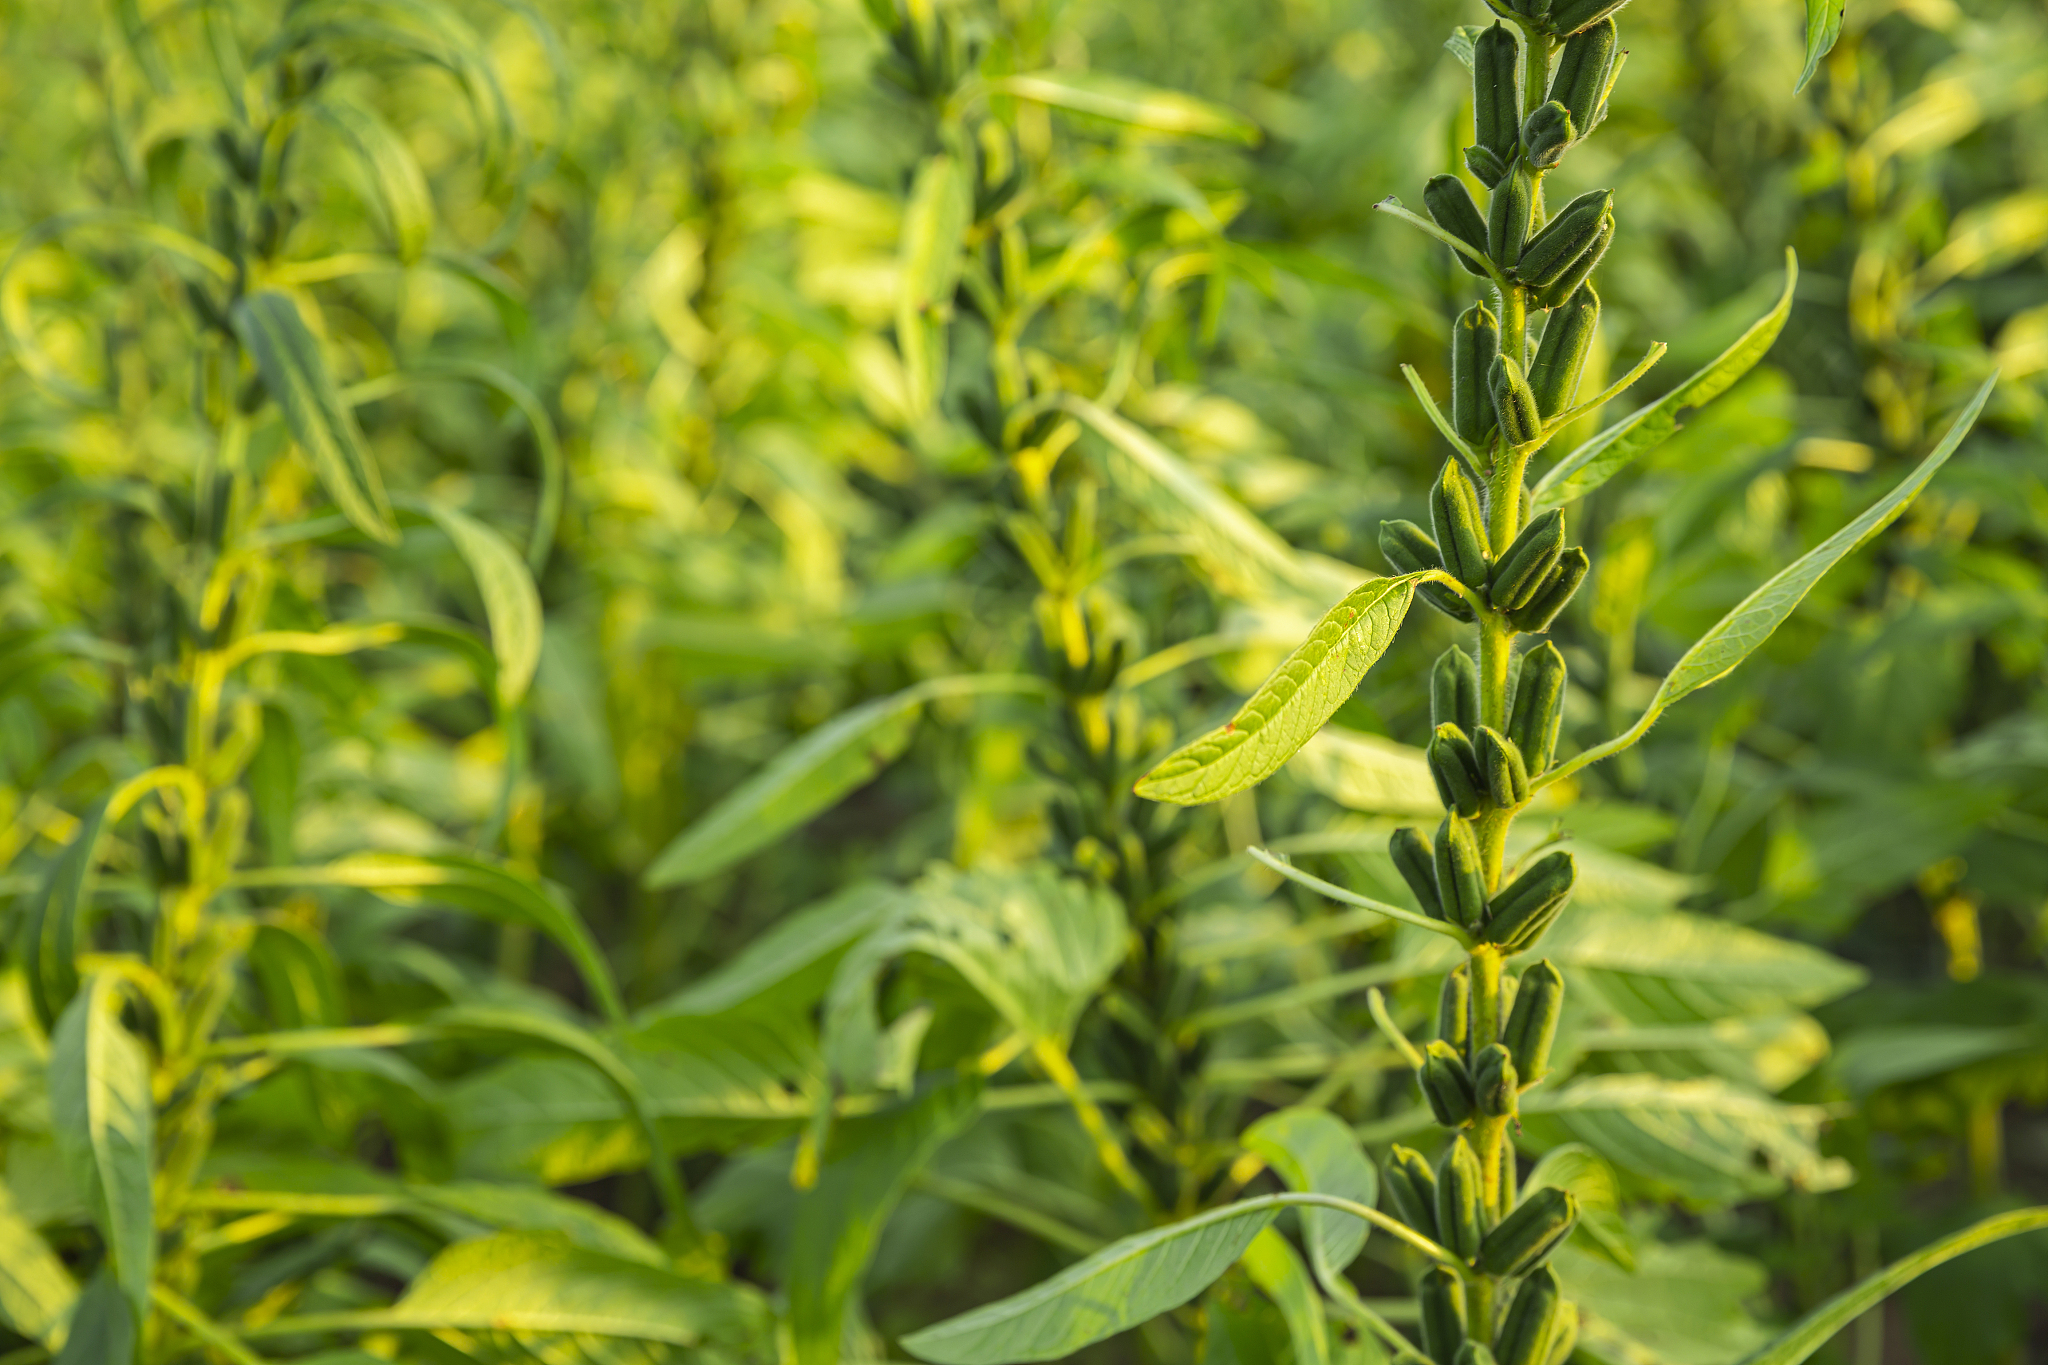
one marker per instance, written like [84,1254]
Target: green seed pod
[1527,1236]
[1532,1023]
[1441,1297]
[1454,690]
[1539,706]
[1456,770]
[1408,549]
[1564,238]
[1450,204]
[1497,92]
[1475,341]
[1500,764]
[1447,1085]
[1556,592]
[1547,134]
[1521,569]
[1460,1200]
[1565,1339]
[1584,71]
[1514,403]
[1472,1353]
[1460,525]
[1458,879]
[1579,271]
[1494,1082]
[1487,168]
[1454,1008]
[1416,862]
[1412,1186]
[1508,214]
[1520,914]
[1561,358]
[1530,1327]
[1571,16]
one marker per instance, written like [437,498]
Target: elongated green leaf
[935,224]
[36,1291]
[1813,1331]
[1277,1270]
[105,1122]
[1313,1150]
[102,1329]
[511,601]
[1684,1302]
[1823,26]
[1141,106]
[1579,1169]
[1741,631]
[395,176]
[1601,458]
[520,1208]
[798,944]
[1669,967]
[838,1222]
[296,374]
[1117,1288]
[52,922]
[1289,707]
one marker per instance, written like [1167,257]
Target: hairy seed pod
[1523,566]
[1494,1081]
[1520,914]
[1475,341]
[1441,1297]
[1454,690]
[1532,1023]
[1458,878]
[1460,525]
[1447,1085]
[1486,167]
[1561,358]
[1460,1200]
[1456,770]
[1571,16]
[1547,134]
[1412,1186]
[1450,204]
[1584,70]
[1416,862]
[1508,213]
[1408,549]
[1527,1236]
[1514,402]
[1501,767]
[1539,706]
[1564,238]
[1454,1008]
[1472,1353]
[1529,1328]
[1579,271]
[1565,1339]
[1496,92]
[1556,592]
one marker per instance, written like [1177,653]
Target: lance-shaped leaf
[935,224]
[1314,1151]
[1289,707]
[1140,106]
[295,372]
[104,1118]
[36,1291]
[1823,27]
[511,601]
[52,922]
[1601,458]
[393,173]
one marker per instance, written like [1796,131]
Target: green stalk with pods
[1496,556]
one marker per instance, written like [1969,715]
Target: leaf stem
[1337,893]
[1392,205]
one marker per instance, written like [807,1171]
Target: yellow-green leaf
[104,1117]
[511,601]
[1141,106]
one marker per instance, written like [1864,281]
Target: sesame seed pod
[1529,1328]
[1565,285]
[1441,1297]
[1532,1024]
[1460,526]
[1583,69]
[1454,690]
[1547,134]
[1460,1200]
[1514,402]
[1494,1083]
[1475,341]
[1556,592]
[1539,706]
[1501,767]
[1455,768]
[1496,91]
[1571,16]
[1447,1085]
[1458,877]
[1522,568]
[1564,238]
[1416,862]
[1454,1008]
[1508,215]
[1412,1185]
[1561,357]
[1527,1236]
[1450,204]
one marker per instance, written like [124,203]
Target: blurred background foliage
[683,235]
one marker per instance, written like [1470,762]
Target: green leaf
[1313,1150]
[1461,43]
[1117,1288]
[1141,106]
[1607,454]
[1275,1268]
[935,224]
[511,601]
[1823,26]
[36,1291]
[104,1118]
[1812,1332]
[1289,707]
[522,1208]
[1369,773]
[1672,967]
[798,943]
[53,919]
[1579,1169]
[1738,634]
[295,372]
[1684,1303]
[838,1222]
[102,1329]
[393,173]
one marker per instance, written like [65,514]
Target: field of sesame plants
[1188,682]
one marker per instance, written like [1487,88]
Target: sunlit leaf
[1823,26]
[511,601]
[395,176]
[36,1291]
[1579,1169]
[1313,1150]
[104,1115]
[1125,101]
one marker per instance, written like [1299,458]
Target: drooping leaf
[1579,1169]
[1141,106]
[521,1208]
[1823,27]
[296,373]
[393,173]
[104,1117]
[51,924]
[1288,709]
[36,1291]
[1369,773]
[1607,454]
[511,601]
[1315,1151]
[1277,1270]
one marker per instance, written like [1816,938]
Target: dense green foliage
[587,587]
